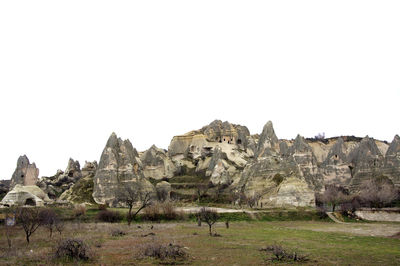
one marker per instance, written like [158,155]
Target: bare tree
[378,192]
[201,191]
[29,219]
[50,220]
[253,200]
[132,194]
[334,195]
[208,216]
[60,226]
[162,194]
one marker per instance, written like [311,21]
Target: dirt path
[219,210]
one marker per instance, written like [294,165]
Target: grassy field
[325,243]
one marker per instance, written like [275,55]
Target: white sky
[72,72]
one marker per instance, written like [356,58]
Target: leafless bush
[162,194]
[131,194]
[49,219]
[320,136]
[29,219]
[253,200]
[163,251]
[102,207]
[117,232]
[60,225]
[74,249]
[162,211]
[280,254]
[378,192]
[201,191]
[208,216]
[79,210]
[109,216]
[334,195]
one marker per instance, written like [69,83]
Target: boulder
[89,168]
[157,164]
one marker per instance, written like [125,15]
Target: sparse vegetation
[117,232]
[73,249]
[132,194]
[162,211]
[281,254]
[109,216]
[208,216]
[164,251]
[378,192]
[29,219]
[49,219]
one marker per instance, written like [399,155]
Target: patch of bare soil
[373,229]
[396,235]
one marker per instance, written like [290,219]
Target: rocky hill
[227,158]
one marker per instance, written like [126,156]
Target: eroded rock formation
[224,158]
[25,174]
[55,185]
[118,167]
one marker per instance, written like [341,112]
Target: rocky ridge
[223,155]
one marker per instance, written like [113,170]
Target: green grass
[238,245]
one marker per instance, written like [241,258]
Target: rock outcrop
[268,141]
[4,187]
[224,158]
[25,174]
[55,185]
[365,161]
[157,164]
[80,192]
[119,166]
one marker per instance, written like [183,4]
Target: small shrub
[79,210]
[102,207]
[162,211]
[280,254]
[278,178]
[117,232]
[163,251]
[73,249]
[109,216]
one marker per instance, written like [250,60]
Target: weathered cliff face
[392,161]
[336,169]
[55,185]
[282,174]
[157,164]
[25,174]
[268,143]
[228,154]
[119,166]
